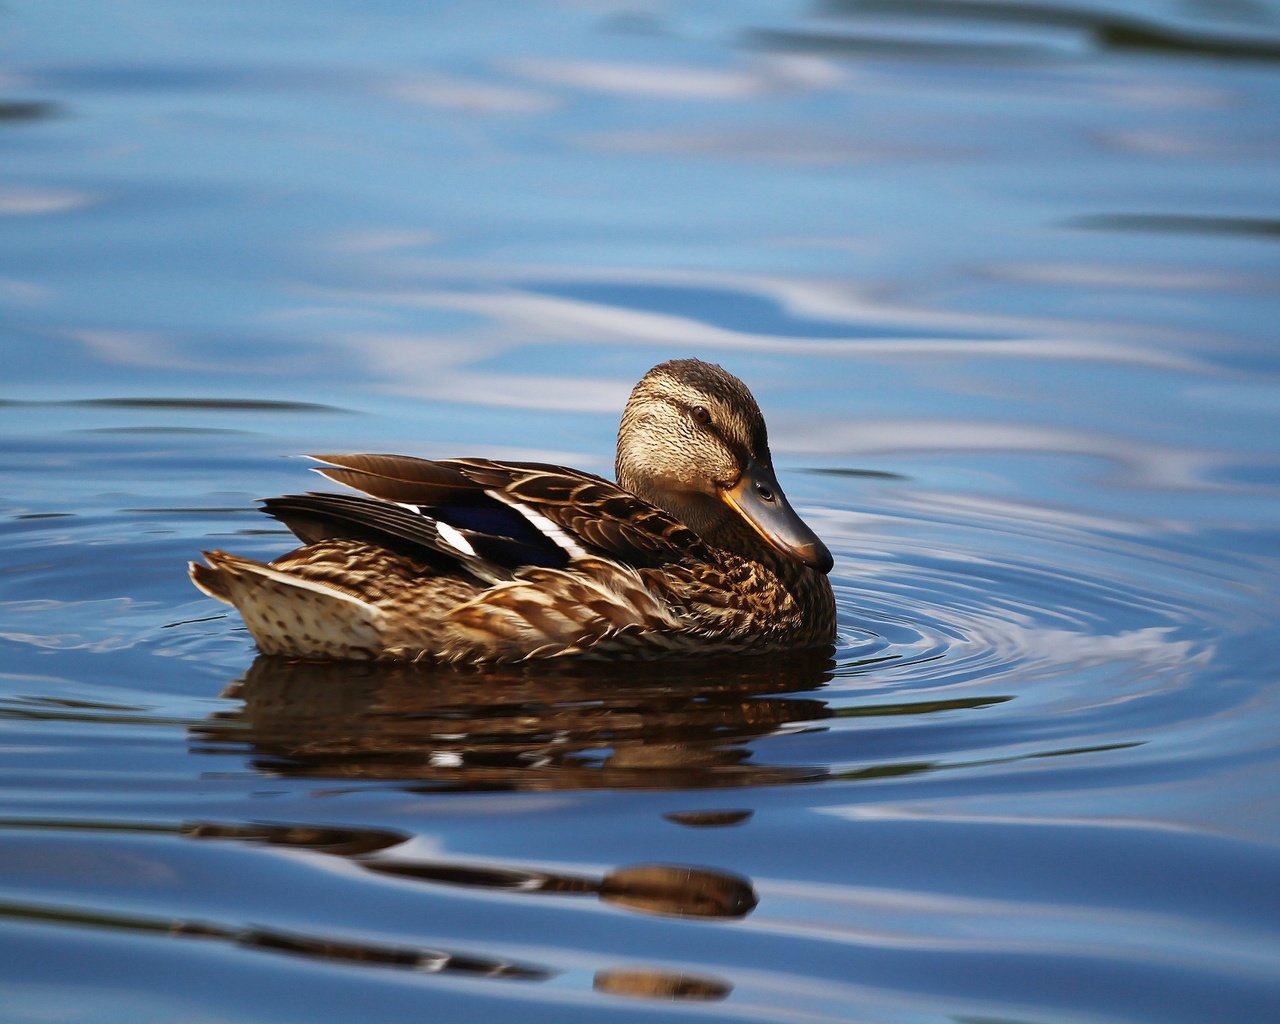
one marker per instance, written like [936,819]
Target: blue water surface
[1004,278]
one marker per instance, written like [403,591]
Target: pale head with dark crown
[693,442]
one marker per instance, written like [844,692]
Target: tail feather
[209,580]
[289,614]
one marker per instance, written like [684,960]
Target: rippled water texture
[1003,277]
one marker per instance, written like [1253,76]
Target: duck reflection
[653,984]
[650,726]
[673,890]
[670,889]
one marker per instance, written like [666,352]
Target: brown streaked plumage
[694,551]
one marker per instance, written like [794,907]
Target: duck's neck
[720,527]
[733,534]
[810,588]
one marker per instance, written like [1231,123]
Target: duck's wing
[316,518]
[498,516]
[602,516]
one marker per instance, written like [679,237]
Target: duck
[694,551]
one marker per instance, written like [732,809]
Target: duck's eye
[699,413]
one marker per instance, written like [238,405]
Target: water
[1004,280]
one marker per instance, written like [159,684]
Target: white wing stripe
[561,538]
[454,539]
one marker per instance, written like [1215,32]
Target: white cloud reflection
[1146,464]
[29,202]
[817,146]
[664,81]
[128,348]
[1093,275]
[384,240]
[433,90]
[528,317]
[422,367]
[17,290]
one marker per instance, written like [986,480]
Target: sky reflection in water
[1003,278]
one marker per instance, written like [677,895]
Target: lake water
[1004,278]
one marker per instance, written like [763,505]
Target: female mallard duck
[695,550]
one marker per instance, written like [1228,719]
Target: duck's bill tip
[760,501]
[816,556]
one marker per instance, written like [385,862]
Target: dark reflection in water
[219,404]
[838,45]
[165,431]
[1180,223]
[709,819]
[1105,30]
[855,474]
[646,984]
[673,890]
[434,961]
[578,726]
[27,110]
[338,842]
[670,890]
[660,985]
[573,727]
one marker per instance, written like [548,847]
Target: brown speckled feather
[475,560]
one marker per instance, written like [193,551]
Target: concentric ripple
[1070,633]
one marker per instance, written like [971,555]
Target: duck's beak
[760,501]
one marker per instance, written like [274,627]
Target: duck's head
[693,442]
